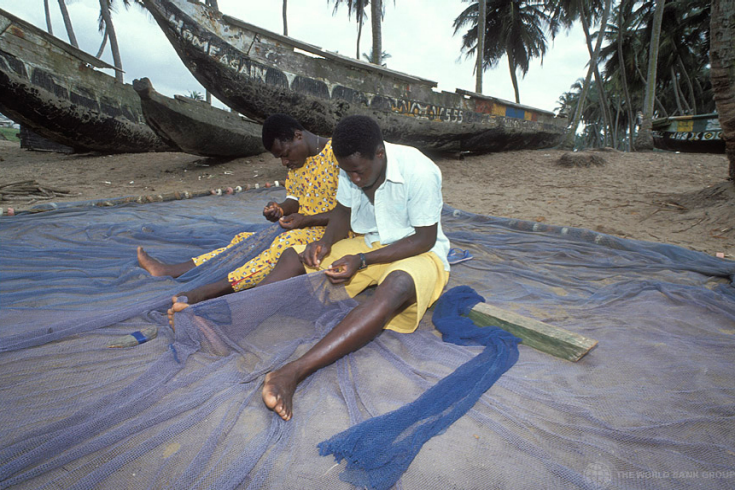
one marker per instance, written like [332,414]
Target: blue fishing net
[379,450]
[650,407]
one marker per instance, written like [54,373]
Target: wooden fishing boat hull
[692,134]
[53,89]
[195,127]
[258,73]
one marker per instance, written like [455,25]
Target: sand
[676,198]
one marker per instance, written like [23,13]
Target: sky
[418,35]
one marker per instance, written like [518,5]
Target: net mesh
[650,407]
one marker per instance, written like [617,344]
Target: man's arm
[338,227]
[420,242]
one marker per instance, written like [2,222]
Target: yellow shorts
[427,271]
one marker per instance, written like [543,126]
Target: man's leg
[357,329]
[158,268]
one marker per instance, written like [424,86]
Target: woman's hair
[356,134]
[281,126]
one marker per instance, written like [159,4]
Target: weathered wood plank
[539,335]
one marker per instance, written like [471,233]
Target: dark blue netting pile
[652,406]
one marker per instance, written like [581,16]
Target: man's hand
[293,221]
[343,269]
[314,253]
[272,212]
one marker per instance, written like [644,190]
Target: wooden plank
[539,335]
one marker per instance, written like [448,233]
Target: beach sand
[676,198]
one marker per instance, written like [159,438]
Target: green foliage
[513,29]
[11,134]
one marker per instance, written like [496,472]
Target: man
[311,187]
[391,196]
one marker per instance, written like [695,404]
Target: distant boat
[196,127]
[52,88]
[258,73]
[698,134]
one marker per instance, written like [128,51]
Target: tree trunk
[722,57]
[675,86]
[513,76]
[624,78]
[376,10]
[46,9]
[103,44]
[660,106]
[568,143]
[606,119]
[285,17]
[688,80]
[644,141]
[105,11]
[360,19]
[481,23]
[67,23]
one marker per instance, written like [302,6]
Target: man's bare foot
[176,307]
[278,391]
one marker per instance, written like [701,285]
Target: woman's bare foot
[157,268]
[176,307]
[278,391]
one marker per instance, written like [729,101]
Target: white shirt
[410,197]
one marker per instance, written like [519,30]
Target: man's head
[283,136]
[358,145]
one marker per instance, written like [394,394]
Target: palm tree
[623,75]
[376,10]
[723,71]
[67,23]
[358,6]
[644,140]
[109,32]
[565,13]
[285,17]
[369,56]
[47,11]
[481,20]
[513,29]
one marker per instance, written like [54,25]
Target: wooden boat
[258,73]
[194,126]
[699,134]
[53,89]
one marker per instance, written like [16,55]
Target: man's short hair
[356,134]
[281,126]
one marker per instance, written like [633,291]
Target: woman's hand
[293,221]
[272,212]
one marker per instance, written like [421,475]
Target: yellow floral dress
[315,186]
